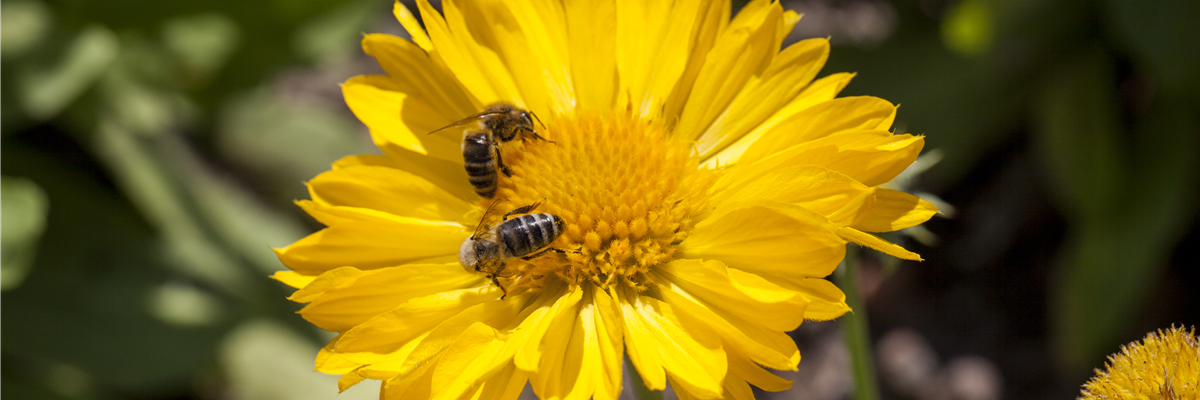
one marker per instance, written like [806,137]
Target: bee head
[474,254]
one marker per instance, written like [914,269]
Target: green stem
[854,326]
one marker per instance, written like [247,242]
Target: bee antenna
[539,120]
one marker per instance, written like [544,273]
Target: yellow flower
[707,181]
[1163,366]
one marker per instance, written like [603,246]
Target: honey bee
[489,248]
[502,122]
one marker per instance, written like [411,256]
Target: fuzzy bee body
[480,156]
[527,237]
[499,123]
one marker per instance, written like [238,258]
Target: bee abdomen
[480,163]
[527,233]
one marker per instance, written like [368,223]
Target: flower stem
[854,326]
[640,391]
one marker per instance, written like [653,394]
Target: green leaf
[45,90]
[22,25]
[24,208]
[1127,198]
[202,42]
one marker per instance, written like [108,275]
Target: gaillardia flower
[707,184]
[1163,366]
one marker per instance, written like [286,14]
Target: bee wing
[467,120]
[482,226]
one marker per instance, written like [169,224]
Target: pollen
[1163,366]
[628,192]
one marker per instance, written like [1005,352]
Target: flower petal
[871,157]
[789,73]
[703,292]
[504,385]
[582,353]
[530,38]
[391,190]
[391,330]
[813,187]
[416,74]
[875,242]
[652,51]
[374,244]
[478,67]
[293,278]
[656,340]
[888,210]
[399,120]
[711,21]
[741,53]
[771,237]
[744,368]
[820,91]
[825,300]
[821,120]
[410,23]
[468,362]
[343,307]
[593,52]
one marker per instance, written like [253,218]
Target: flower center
[628,192]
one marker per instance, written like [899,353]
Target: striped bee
[502,122]
[489,248]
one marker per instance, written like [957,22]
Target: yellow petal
[448,175]
[789,73]
[410,23]
[767,237]
[327,281]
[398,120]
[505,385]
[711,21]
[350,304]
[363,159]
[478,67]
[593,52]
[442,320]
[656,340]
[374,244]
[825,300]
[415,386]
[349,380]
[531,39]
[652,52]
[333,363]
[870,157]
[753,299]
[293,279]
[468,362]
[813,187]
[582,353]
[743,368]
[527,342]
[821,120]
[743,330]
[890,210]
[740,54]
[390,190]
[820,91]
[389,331]
[874,242]
[418,75]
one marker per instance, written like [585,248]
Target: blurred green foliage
[151,151]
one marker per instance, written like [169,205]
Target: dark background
[151,151]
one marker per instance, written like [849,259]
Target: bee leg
[500,163]
[535,135]
[521,210]
[544,251]
[502,289]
